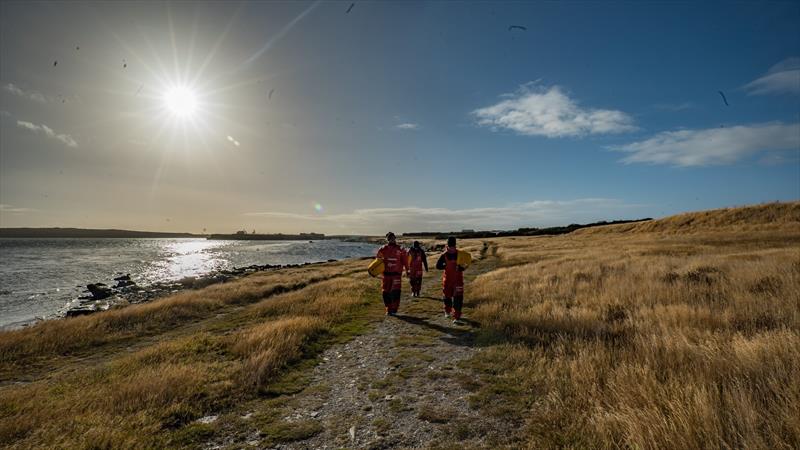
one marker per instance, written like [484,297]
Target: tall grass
[146,397]
[646,340]
[60,337]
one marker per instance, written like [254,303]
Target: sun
[181,101]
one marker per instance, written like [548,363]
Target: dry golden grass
[145,397]
[648,340]
[768,216]
[61,337]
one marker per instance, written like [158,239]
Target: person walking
[452,280]
[417,260]
[395,261]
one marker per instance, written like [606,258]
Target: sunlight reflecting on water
[187,259]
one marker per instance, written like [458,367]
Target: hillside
[586,340]
[769,216]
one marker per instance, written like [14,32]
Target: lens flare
[318,207]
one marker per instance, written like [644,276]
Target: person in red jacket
[417,260]
[452,280]
[395,261]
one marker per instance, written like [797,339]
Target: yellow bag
[464,259]
[375,267]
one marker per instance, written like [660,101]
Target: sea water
[38,277]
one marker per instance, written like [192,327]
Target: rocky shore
[125,291]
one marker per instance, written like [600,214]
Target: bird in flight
[517,27]
[723,98]
[350,8]
[271,91]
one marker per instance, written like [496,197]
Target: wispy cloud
[712,146]
[30,95]
[48,132]
[411,218]
[408,126]
[10,209]
[674,106]
[539,111]
[781,78]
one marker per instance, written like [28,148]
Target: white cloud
[712,146]
[535,213]
[49,132]
[783,77]
[539,111]
[10,209]
[30,95]
[408,126]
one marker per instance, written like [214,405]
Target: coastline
[100,296]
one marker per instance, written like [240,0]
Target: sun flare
[180,101]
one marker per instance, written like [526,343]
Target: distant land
[244,236]
[241,236]
[86,233]
[549,231]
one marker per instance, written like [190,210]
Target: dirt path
[400,385]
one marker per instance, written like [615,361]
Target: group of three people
[413,261]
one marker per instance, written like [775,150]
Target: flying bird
[78,47]
[517,27]
[271,91]
[350,8]
[723,98]
[55,63]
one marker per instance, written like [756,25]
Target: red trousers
[391,287]
[453,292]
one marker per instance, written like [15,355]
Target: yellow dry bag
[464,259]
[375,267]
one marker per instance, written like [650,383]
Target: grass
[679,333]
[628,338]
[150,383]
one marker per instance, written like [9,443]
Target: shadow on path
[454,336]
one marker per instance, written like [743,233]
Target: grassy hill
[765,217]
[678,333]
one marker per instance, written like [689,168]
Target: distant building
[241,232]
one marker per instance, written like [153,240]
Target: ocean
[38,277]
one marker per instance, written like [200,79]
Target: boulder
[99,291]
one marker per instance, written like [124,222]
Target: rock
[207,419]
[99,291]
[80,311]
[352,432]
[126,277]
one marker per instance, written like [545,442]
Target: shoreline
[100,296]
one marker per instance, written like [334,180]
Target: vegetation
[622,337]
[677,333]
[142,375]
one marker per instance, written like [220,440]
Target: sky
[403,116]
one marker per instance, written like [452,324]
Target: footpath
[405,383]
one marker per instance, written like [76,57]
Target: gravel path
[406,383]
[402,385]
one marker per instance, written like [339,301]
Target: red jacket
[418,259]
[395,259]
[452,273]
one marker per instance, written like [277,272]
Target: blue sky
[402,116]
